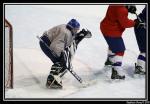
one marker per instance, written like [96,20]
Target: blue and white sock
[141,61]
[110,55]
[117,64]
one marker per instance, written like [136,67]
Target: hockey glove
[86,33]
[81,35]
[131,9]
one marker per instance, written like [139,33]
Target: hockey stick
[69,68]
[75,75]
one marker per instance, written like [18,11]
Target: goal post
[8,57]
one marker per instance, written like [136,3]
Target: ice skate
[53,82]
[139,70]
[54,78]
[115,75]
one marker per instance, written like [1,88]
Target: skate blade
[52,86]
[55,87]
[141,73]
[114,80]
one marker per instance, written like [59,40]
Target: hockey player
[140,33]
[112,27]
[62,41]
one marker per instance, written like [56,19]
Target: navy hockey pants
[140,34]
[46,50]
[115,44]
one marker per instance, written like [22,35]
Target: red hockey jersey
[115,21]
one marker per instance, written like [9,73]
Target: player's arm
[122,16]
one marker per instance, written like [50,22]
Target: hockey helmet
[74,24]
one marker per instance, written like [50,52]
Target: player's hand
[132,9]
[87,33]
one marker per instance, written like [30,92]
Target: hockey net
[8,69]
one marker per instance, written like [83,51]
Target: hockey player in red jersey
[112,28]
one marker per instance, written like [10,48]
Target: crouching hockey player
[112,27]
[61,44]
[140,33]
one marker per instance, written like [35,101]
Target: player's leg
[56,68]
[46,50]
[140,34]
[110,55]
[117,47]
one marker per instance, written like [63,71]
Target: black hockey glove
[81,35]
[86,33]
[131,9]
[139,24]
